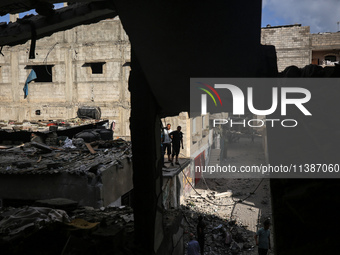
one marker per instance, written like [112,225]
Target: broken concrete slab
[28,173]
[58,203]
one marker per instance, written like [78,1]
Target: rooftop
[269,26]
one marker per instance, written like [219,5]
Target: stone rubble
[37,158]
[218,233]
[227,227]
[108,230]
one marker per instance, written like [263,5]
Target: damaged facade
[86,65]
[75,68]
[295,45]
[89,65]
[155,61]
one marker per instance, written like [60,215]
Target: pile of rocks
[222,236]
[233,210]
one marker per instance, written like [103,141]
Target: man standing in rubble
[167,141]
[193,246]
[262,238]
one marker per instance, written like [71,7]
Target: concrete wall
[175,188]
[185,178]
[173,241]
[73,84]
[292,43]
[199,130]
[116,181]
[169,192]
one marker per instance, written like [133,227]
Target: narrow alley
[239,205]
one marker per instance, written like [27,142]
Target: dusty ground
[243,201]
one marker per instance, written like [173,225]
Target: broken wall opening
[43,72]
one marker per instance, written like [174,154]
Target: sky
[320,15]
[6,17]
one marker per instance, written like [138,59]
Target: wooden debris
[89,147]
[41,146]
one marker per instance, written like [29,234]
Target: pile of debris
[232,209]
[73,156]
[82,230]
[222,236]
[59,166]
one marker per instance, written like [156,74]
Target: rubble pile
[232,209]
[74,156]
[85,230]
[222,236]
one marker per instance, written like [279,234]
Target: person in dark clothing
[201,233]
[193,246]
[262,238]
[177,141]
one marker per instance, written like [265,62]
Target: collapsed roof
[48,20]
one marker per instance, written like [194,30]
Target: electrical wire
[201,176]
[45,60]
[233,204]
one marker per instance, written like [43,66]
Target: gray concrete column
[69,93]
[15,87]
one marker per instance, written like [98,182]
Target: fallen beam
[64,18]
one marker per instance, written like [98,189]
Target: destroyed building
[170,45]
[94,172]
[84,66]
[149,229]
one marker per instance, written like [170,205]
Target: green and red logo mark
[204,97]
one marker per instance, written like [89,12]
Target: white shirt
[167,138]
